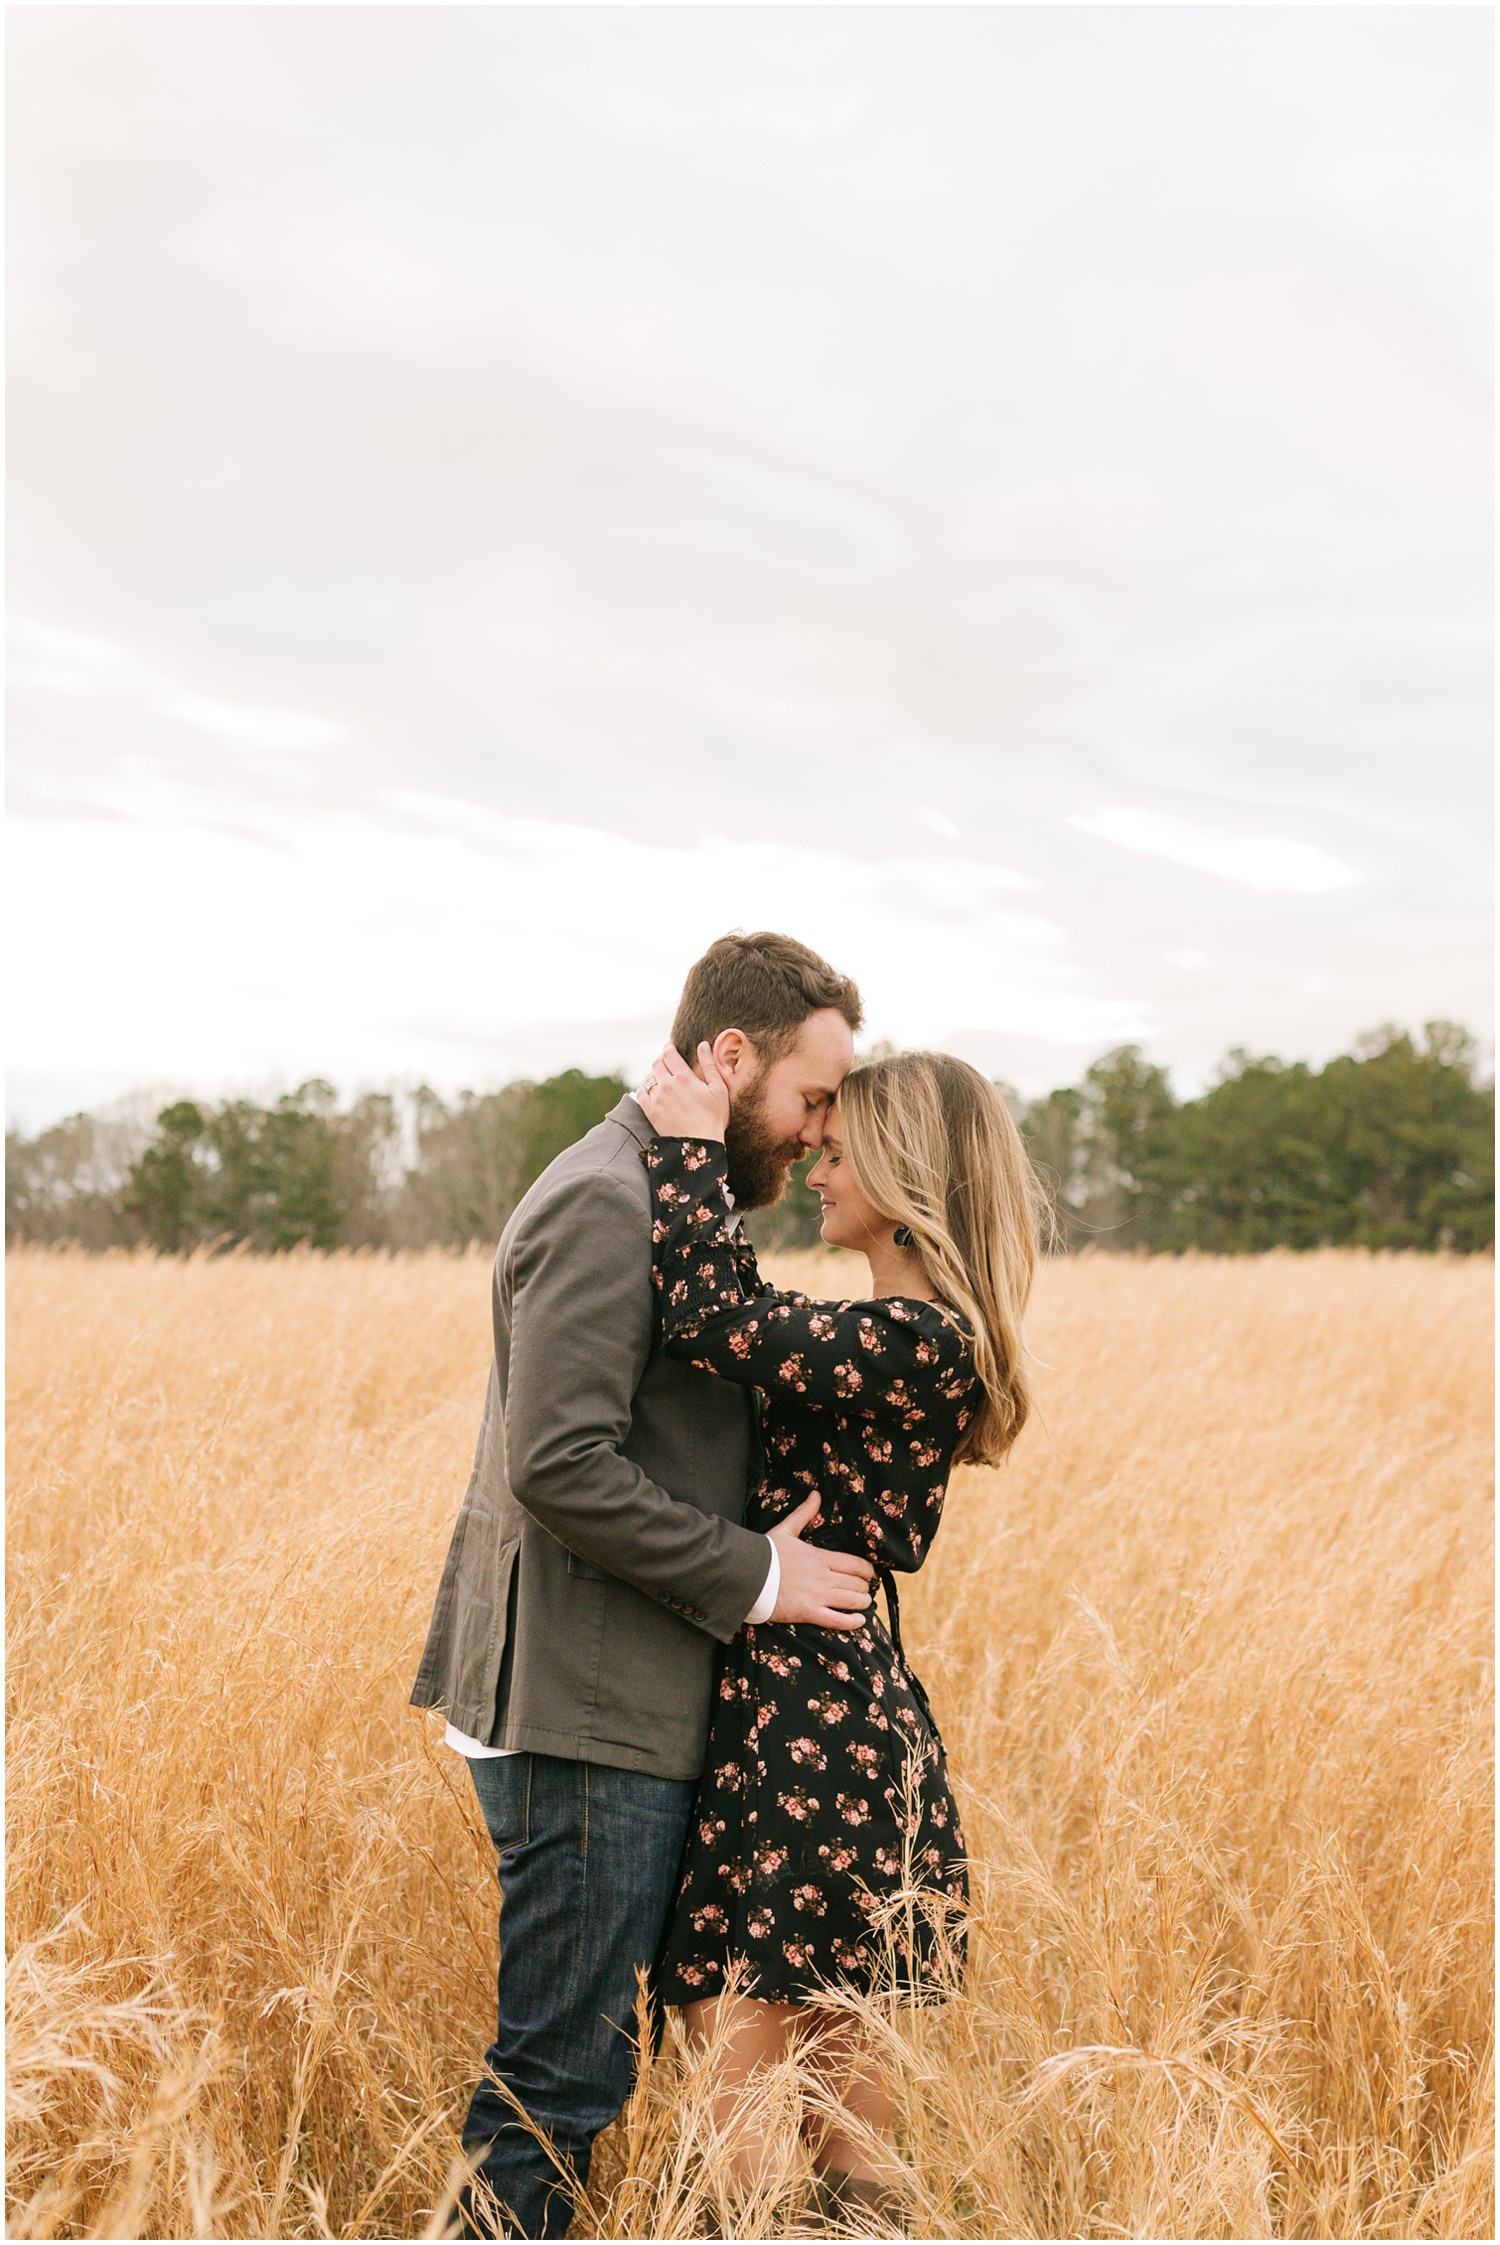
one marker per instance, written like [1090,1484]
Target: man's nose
[811,1133]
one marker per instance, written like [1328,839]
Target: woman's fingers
[713,1070]
[669,1068]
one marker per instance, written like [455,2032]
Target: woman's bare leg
[744,2036]
[842,2056]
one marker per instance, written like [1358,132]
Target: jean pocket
[503,1783]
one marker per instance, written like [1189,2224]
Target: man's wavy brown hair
[767,985]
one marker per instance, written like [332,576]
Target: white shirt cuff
[765,1604]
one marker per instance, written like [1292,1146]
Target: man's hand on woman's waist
[803,1583]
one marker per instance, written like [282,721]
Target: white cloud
[875,434]
[254,728]
[427,941]
[53,660]
[49,659]
[1259,861]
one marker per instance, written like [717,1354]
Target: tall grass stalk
[1210,1656]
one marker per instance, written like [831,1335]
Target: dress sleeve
[876,1360]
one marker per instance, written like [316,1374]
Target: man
[599,1556]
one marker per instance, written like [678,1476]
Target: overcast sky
[499,495]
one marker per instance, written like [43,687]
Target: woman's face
[849,1219]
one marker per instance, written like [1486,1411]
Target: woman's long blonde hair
[934,1147]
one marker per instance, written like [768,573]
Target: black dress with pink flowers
[824,1844]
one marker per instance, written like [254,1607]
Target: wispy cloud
[254,728]
[324,951]
[814,426]
[49,659]
[1257,861]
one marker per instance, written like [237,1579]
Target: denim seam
[570,2004]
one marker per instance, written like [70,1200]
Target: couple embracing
[698,1747]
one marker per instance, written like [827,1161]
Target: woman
[825,1847]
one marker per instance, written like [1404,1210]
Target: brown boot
[801,2213]
[836,2196]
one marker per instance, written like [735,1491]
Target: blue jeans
[588,1860]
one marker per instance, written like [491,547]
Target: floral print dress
[824,1844]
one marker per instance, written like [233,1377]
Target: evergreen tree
[167,1183]
[1413,1141]
[1251,1163]
[1127,1121]
[1389,1146]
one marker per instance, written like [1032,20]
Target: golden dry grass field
[1210,1655]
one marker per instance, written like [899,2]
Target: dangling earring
[903,1236]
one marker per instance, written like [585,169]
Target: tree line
[1390,1146]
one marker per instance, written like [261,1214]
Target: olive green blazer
[599,1552]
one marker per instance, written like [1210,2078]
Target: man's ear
[734,1052]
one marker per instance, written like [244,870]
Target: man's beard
[759,1165]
